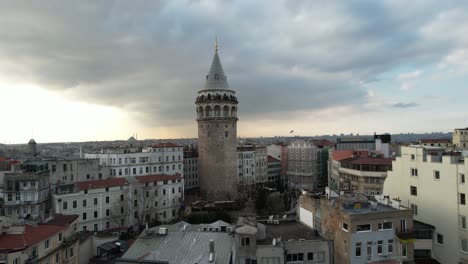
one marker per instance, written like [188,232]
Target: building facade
[68,171]
[274,169]
[431,181]
[445,143]
[26,192]
[191,170]
[162,158]
[122,202]
[217,135]
[460,138]
[302,165]
[53,242]
[363,231]
[246,164]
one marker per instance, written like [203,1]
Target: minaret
[217,135]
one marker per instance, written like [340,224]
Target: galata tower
[217,135]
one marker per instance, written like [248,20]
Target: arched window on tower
[234,112]
[208,111]
[209,96]
[200,112]
[226,110]
[217,110]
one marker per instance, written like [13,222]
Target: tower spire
[216,44]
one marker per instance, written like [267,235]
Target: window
[380,247]
[412,157]
[462,178]
[95,214]
[440,239]
[121,197]
[414,190]
[462,199]
[404,250]
[135,203]
[462,220]
[295,257]
[84,203]
[71,251]
[245,241]
[75,204]
[164,191]
[363,228]
[60,236]
[65,205]
[436,175]
[414,208]
[121,210]
[46,244]
[95,227]
[84,216]
[107,199]
[107,212]
[414,172]
[390,246]
[344,226]
[358,249]
[385,225]
[464,245]
[95,201]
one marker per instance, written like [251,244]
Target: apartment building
[163,158]
[246,164]
[363,231]
[460,138]
[261,164]
[53,242]
[70,170]
[302,165]
[122,202]
[323,152]
[379,143]
[431,181]
[26,191]
[280,151]
[274,169]
[445,143]
[191,170]
[361,172]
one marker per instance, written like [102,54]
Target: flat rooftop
[289,231]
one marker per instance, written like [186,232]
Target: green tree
[275,203]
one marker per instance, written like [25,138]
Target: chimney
[212,251]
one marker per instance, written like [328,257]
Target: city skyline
[89,71]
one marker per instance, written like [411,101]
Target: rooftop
[32,235]
[271,159]
[181,247]
[158,178]
[370,161]
[61,220]
[290,231]
[354,204]
[166,145]
[429,141]
[104,183]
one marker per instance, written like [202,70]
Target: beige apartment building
[53,242]
[302,165]
[431,181]
[460,138]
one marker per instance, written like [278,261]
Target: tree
[274,203]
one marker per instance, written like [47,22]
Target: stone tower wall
[218,158]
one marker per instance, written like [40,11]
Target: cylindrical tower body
[217,136]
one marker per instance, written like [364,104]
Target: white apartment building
[261,164]
[163,158]
[246,164]
[302,165]
[122,202]
[431,181]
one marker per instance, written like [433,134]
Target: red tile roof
[271,159]
[426,141]
[62,220]
[166,145]
[30,237]
[157,178]
[95,184]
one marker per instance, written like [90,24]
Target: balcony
[408,235]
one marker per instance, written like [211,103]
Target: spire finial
[216,44]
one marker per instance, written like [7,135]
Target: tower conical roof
[216,79]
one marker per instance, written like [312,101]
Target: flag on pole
[291,131]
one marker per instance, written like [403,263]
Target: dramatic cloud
[282,58]
[404,105]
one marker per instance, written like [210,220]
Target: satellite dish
[274,241]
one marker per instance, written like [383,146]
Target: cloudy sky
[104,70]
